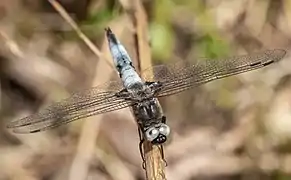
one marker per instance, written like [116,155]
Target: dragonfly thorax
[140,92]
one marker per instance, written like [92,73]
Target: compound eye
[164,129]
[151,133]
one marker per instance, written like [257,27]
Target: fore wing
[183,75]
[79,105]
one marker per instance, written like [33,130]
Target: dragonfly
[141,92]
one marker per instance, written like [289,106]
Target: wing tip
[23,131]
[277,54]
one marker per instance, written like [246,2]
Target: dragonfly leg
[163,155]
[164,119]
[141,153]
[141,141]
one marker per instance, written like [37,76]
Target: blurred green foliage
[98,19]
[162,34]
[211,45]
[282,176]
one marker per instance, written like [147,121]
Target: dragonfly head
[157,134]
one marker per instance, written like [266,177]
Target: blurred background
[237,128]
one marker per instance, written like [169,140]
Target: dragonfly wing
[182,75]
[79,105]
[57,118]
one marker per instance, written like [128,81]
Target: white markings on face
[152,133]
[164,129]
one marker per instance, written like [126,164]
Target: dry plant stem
[11,45]
[86,147]
[155,166]
[71,22]
[154,163]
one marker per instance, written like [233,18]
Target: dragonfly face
[158,133]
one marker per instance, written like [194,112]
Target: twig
[155,166]
[10,45]
[86,147]
[71,22]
